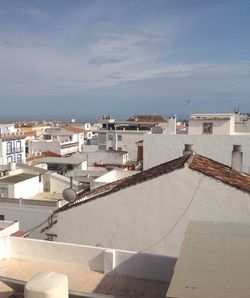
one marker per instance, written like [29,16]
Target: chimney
[188,149]
[237,157]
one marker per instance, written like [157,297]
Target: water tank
[47,285]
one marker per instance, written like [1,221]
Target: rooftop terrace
[90,270]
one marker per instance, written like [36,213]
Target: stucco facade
[153,215]
[215,124]
[162,148]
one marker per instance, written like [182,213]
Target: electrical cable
[178,220]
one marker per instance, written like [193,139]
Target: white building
[12,145]
[161,148]
[212,124]
[115,157]
[123,136]
[30,195]
[150,211]
[111,176]
[61,140]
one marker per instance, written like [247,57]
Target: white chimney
[188,149]
[172,124]
[47,285]
[237,158]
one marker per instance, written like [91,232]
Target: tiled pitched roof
[149,174]
[147,118]
[73,128]
[194,161]
[220,172]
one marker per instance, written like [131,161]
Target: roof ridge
[149,174]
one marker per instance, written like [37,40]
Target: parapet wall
[112,261]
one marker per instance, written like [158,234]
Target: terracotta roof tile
[220,172]
[112,187]
[19,234]
[194,161]
[44,154]
[73,128]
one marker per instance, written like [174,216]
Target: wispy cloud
[81,47]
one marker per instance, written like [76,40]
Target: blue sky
[83,58]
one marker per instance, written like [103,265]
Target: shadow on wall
[137,275]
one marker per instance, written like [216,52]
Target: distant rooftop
[12,179]
[147,118]
[211,116]
[74,159]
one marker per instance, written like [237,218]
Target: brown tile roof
[147,118]
[149,174]
[44,154]
[29,133]
[19,234]
[73,128]
[220,172]
[194,161]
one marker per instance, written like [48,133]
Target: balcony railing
[15,150]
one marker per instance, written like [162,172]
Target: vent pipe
[237,158]
[188,149]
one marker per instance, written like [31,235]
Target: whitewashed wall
[111,176]
[26,189]
[106,157]
[28,216]
[92,258]
[8,228]
[163,148]
[154,215]
[41,145]
[128,143]
[220,127]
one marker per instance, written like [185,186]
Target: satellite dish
[69,194]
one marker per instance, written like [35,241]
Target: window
[111,148]
[119,148]
[110,137]
[9,147]
[1,217]
[19,158]
[18,146]
[119,137]
[208,127]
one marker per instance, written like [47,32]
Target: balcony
[15,150]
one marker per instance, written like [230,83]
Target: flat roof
[12,179]
[214,262]
[84,280]
[74,159]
